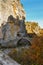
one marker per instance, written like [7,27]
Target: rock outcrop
[13,27]
[6,60]
[10,7]
[32,27]
[14,31]
[1,35]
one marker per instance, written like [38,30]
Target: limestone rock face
[13,17]
[1,35]
[13,28]
[10,7]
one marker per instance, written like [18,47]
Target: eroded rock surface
[6,60]
[10,7]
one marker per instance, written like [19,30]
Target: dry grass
[32,55]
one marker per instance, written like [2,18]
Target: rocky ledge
[6,60]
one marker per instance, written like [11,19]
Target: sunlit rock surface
[10,7]
[13,31]
[32,27]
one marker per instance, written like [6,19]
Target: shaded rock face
[23,42]
[1,35]
[13,31]
[13,27]
[22,28]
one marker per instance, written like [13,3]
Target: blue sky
[34,10]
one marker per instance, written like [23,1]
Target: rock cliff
[10,7]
